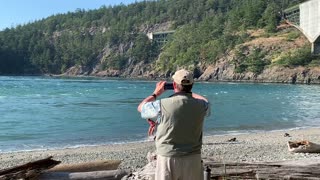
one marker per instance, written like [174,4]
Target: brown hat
[183,77]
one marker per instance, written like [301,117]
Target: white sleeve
[150,110]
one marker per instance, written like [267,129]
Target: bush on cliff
[254,62]
[296,57]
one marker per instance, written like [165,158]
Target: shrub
[253,62]
[293,35]
[314,63]
[298,57]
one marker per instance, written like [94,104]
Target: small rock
[232,139]
[286,135]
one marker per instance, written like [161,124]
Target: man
[179,133]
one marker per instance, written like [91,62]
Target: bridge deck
[160,37]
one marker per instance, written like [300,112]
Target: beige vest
[179,132]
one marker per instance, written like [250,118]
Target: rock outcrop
[274,74]
[224,69]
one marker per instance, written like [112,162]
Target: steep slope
[274,47]
[224,69]
[219,40]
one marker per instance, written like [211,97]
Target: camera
[168,86]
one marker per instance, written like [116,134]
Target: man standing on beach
[180,121]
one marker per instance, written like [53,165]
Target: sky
[19,12]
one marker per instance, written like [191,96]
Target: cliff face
[225,72]
[224,69]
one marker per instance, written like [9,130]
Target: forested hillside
[114,38]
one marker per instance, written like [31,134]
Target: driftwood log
[303,147]
[30,170]
[261,171]
[101,175]
[87,167]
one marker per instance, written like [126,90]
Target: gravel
[252,147]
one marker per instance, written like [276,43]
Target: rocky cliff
[224,68]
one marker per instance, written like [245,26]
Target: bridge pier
[315,47]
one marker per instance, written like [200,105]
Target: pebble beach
[251,147]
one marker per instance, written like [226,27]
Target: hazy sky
[15,12]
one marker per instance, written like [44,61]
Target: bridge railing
[160,37]
[292,15]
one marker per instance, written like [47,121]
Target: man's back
[179,131]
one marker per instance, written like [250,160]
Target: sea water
[48,113]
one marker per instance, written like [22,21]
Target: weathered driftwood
[105,175]
[261,171]
[303,147]
[88,166]
[145,173]
[30,170]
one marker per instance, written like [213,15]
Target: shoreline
[268,146]
[148,139]
[259,81]
[196,80]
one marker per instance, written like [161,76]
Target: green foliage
[143,49]
[204,41]
[293,35]
[270,18]
[117,62]
[314,62]
[205,31]
[254,62]
[297,57]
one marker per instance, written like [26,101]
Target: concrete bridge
[306,18]
[160,37]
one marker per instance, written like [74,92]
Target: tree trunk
[96,175]
[88,166]
[30,170]
[261,171]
